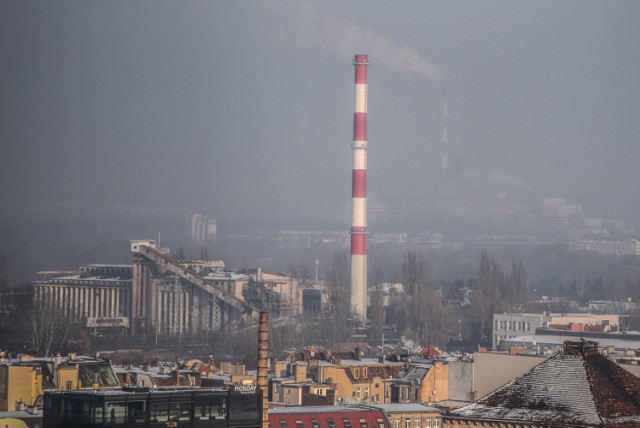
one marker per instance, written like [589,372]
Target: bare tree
[45,331]
[339,311]
[377,309]
[494,292]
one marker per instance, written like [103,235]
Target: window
[416,423]
[209,408]
[436,422]
[315,424]
[356,373]
[137,411]
[283,424]
[363,423]
[116,413]
[427,422]
[396,423]
[366,392]
[331,423]
[347,423]
[299,423]
[159,412]
[407,423]
[180,411]
[364,372]
[357,392]
[380,423]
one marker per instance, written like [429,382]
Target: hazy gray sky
[238,108]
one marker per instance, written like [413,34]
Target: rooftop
[577,386]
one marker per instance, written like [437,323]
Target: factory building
[161,296]
[202,229]
[98,295]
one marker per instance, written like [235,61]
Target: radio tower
[359,193]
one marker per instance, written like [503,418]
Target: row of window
[417,422]
[344,423]
[356,372]
[512,325]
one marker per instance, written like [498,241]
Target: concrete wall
[461,382]
[492,369]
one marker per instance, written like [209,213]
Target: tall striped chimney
[444,157]
[359,193]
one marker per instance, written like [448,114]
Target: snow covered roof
[577,386]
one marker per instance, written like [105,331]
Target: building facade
[153,408]
[98,295]
[510,325]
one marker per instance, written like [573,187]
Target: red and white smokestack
[359,193]
[444,157]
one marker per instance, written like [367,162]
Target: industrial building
[507,326]
[98,295]
[202,229]
[157,295]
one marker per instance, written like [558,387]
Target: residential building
[348,416]
[365,380]
[411,415]
[578,387]
[424,382]
[23,380]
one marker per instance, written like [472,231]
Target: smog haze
[245,109]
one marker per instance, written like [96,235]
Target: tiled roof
[578,386]
[414,372]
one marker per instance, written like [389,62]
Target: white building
[507,325]
[615,248]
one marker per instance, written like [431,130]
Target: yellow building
[413,415]
[19,384]
[357,381]
[421,383]
[25,380]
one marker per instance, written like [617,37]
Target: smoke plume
[310,28]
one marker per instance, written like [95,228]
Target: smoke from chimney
[310,28]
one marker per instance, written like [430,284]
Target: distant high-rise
[359,192]
[201,229]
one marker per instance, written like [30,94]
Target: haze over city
[244,109]
[371,203]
